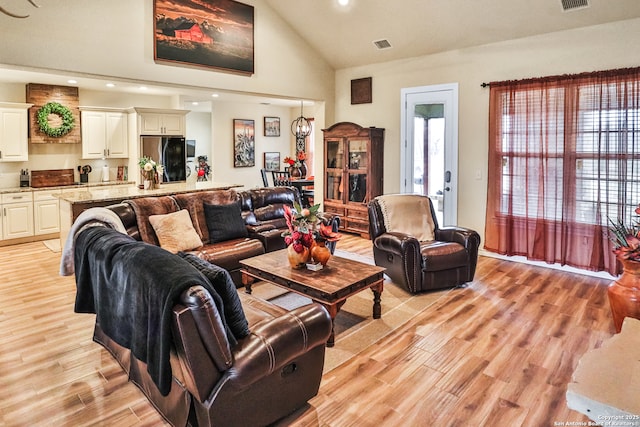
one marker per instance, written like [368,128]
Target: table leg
[333,310]
[377,293]
[247,281]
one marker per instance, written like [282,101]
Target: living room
[47,43]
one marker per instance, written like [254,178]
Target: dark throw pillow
[224,222]
[226,289]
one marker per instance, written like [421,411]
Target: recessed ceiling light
[215,95]
[110,85]
[343,2]
[143,88]
[194,103]
[71,81]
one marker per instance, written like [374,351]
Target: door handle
[447,176]
[447,188]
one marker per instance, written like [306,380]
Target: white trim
[568,269]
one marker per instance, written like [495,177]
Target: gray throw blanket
[132,287]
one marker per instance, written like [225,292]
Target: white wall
[588,49]
[223,139]
[115,38]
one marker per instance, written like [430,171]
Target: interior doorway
[430,149]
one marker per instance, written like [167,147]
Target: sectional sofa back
[259,204]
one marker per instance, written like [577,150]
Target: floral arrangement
[304,228]
[626,239]
[150,168]
[295,161]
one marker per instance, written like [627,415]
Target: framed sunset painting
[216,34]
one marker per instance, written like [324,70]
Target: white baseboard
[523,260]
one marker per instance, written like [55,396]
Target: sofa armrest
[400,244]
[276,343]
[468,238]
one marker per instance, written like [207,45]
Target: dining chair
[265,180]
[281,178]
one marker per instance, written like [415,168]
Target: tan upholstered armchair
[417,253]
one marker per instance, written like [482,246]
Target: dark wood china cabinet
[352,173]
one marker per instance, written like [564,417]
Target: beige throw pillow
[175,231]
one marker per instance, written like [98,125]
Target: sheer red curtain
[564,157]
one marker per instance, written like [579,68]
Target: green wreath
[60,110]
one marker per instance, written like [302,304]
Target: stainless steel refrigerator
[170,152]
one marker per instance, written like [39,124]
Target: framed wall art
[244,143]
[361,91]
[272,126]
[215,33]
[272,160]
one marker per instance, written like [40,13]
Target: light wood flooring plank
[499,351]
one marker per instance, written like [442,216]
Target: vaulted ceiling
[344,35]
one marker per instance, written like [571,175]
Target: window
[564,157]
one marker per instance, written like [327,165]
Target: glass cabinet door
[334,167]
[334,188]
[357,155]
[335,154]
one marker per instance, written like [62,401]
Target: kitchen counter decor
[60,110]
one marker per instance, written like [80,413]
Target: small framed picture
[272,160]
[272,126]
[361,91]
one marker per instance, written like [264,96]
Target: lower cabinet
[17,215]
[27,214]
[46,208]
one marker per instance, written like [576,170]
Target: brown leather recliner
[417,253]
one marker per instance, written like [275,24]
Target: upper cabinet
[352,173]
[104,133]
[161,122]
[14,138]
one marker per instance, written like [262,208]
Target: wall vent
[568,5]
[382,44]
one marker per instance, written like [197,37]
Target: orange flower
[302,156]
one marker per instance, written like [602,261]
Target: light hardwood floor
[499,352]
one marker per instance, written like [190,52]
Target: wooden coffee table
[331,286]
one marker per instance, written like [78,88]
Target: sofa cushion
[228,254]
[193,202]
[147,206]
[226,289]
[224,222]
[175,231]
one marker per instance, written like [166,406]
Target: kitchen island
[73,203]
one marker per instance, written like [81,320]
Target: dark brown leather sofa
[261,208]
[263,377]
[446,258]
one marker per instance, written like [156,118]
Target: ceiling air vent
[382,44]
[568,5]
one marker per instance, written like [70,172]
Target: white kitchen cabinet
[46,208]
[14,138]
[17,215]
[104,134]
[161,122]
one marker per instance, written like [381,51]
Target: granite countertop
[105,194]
[78,186]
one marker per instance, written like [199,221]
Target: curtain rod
[616,71]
